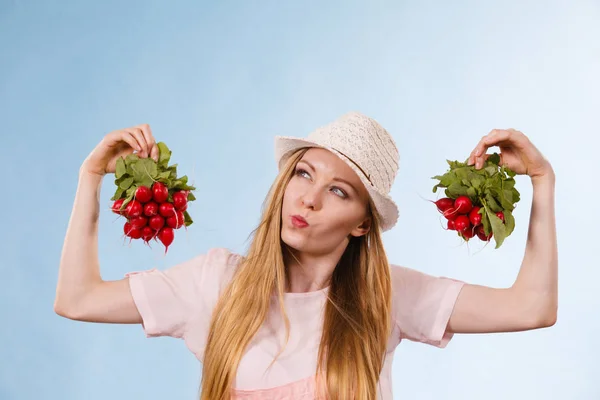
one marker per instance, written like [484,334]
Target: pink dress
[178,302]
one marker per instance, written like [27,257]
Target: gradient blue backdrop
[216,83]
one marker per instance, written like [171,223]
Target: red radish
[166,209]
[156,222]
[180,201]
[444,204]
[166,236]
[451,213]
[116,207]
[481,234]
[139,222]
[143,194]
[134,233]
[462,223]
[150,209]
[148,233]
[451,225]
[127,228]
[133,209]
[500,215]
[160,193]
[463,204]
[474,216]
[468,233]
[176,221]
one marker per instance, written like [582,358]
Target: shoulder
[221,262]
[410,284]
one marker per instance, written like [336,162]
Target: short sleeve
[167,300]
[423,305]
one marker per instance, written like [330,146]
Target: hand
[516,152]
[120,143]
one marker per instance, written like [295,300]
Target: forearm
[537,280]
[79,267]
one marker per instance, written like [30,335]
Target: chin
[294,239]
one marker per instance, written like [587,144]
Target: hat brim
[387,209]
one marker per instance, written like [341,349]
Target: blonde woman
[314,309]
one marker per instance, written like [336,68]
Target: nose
[311,199]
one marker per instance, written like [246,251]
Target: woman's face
[328,194]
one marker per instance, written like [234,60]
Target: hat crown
[366,143]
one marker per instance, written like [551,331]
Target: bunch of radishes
[152,198]
[150,215]
[464,217]
[478,202]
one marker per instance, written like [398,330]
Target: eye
[343,194]
[300,171]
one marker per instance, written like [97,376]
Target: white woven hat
[367,148]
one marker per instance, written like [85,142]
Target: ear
[362,229]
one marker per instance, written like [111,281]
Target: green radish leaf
[445,180]
[131,191]
[120,168]
[130,168]
[187,218]
[509,222]
[457,189]
[501,199]
[164,155]
[494,159]
[118,193]
[485,220]
[164,175]
[191,196]
[472,193]
[126,183]
[145,172]
[149,167]
[173,170]
[462,173]
[492,204]
[130,194]
[491,170]
[498,228]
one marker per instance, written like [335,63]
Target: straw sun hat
[367,148]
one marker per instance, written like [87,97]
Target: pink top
[178,302]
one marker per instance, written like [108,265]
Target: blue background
[217,82]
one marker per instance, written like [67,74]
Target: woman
[313,309]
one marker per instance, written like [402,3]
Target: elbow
[548,318]
[65,309]
[544,317]
[60,309]
[538,311]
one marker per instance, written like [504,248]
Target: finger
[139,137]
[147,132]
[128,138]
[155,152]
[495,137]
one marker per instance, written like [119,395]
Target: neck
[307,272]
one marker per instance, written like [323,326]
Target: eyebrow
[335,178]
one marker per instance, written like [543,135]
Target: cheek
[291,193]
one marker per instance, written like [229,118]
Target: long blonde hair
[356,323]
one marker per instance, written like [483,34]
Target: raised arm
[532,301]
[81,294]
